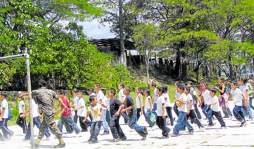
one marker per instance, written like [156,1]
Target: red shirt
[65,106]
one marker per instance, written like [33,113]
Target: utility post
[29,89]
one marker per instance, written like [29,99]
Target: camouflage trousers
[48,120]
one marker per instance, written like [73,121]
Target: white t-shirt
[206,96]
[96,112]
[21,106]
[4,105]
[237,96]
[138,101]
[183,108]
[75,101]
[101,97]
[160,102]
[155,95]
[147,103]
[167,100]
[121,95]
[214,102]
[190,101]
[35,109]
[243,88]
[82,111]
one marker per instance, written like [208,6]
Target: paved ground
[210,137]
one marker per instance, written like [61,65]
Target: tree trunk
[121,23]
[178,63]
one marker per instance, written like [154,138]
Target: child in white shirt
[213,103]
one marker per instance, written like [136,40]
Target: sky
[95,30]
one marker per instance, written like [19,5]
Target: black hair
[164,89]
[42,83]
[122,85]
[214,90]
[181,86]
[91,98]
[62,92]
[147,91]
[5,94]
[112,91]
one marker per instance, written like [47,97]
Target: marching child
[168,105]
[215,108]
[182,104]
[148,104]
[139,105]
[130,109]
[21,121]
[238,97]
[162,113]
[115,109]
[95,110]
[192,115]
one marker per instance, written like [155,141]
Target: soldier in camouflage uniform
[45,100]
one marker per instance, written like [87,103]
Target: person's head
[61,93]
[202,86]
[111,93]
[97,87]
[180,88]
[90,91]
[221,80]
[147,92]
[121,86]
[4,95]
[138,90]
[93,100]
[42,83]
[164,89]
[79,94]
[240,81]
[127,91]
[154,84]
[234,85]
[213,92]
[159,91]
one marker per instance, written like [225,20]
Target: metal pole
[29,88]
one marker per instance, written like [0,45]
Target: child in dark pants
[129,108]
[161,114]
[21,121]
[213,103]
[115,108]
[238,97]
[192,115]
[95,110]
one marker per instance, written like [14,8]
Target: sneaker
[191,132]
[116,140]
[223,127]
[143,138]
[174,135]
[165,137]
[105,133]
[62,145]
[93,141]
[123,139]
[243,124]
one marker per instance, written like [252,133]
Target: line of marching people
[103,112]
